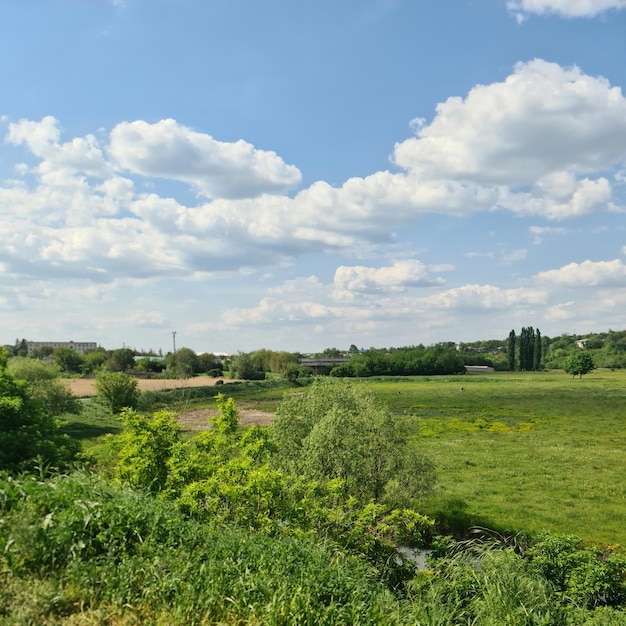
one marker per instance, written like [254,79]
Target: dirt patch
[198,419]
[87,386]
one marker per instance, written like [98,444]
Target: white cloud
[542,119]
[587,274]
[485,297]
[396,278]
[217,169]
[565,8]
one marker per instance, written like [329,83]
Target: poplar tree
[510,350]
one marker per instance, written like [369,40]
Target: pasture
[522,452]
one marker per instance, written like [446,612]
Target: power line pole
[174,339]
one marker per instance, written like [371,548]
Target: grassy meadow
[525,451]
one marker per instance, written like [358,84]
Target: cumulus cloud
[396,278]
[217,169]
[542,119]
[565,8]
[587,274]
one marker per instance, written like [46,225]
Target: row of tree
[526,351]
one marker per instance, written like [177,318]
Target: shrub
[117,390]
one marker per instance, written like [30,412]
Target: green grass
[523,451]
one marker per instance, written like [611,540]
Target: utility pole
[174,339]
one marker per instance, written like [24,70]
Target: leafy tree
[208,362]
[510,350]
[93,360]
[50,394]
[68,360]
[28,434]
[145,447]
[337,431]
[526,348]
[43,352]
[579,364]
[227,417]
[244,367]
[117,390]
[120,360]
[148,364]
[21,348]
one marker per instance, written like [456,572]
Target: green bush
[117,391]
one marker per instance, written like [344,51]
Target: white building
[78,346]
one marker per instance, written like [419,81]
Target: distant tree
[537,351]
[68,360]
[510,350]
[29,435]
[93,360]
[243,367]
[117,391]
[208,362]
[51,395]
[149,364]
[527,349]
[579,364]
[336,431]
[183,363]
[331,353]
[353,349]
[120,360]
[21,348]
[43,352]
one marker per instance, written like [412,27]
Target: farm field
[87,386]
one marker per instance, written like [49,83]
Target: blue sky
[301,175]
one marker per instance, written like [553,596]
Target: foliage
[336,431]
[29,434]
[93,360]
[227,417]
[244,367]
[409,361]
[50,394]
[67,360]
[225,475]
[82,551]
[579,364]
[120,360]
[510,350]
[117,390]
[582,575]
[145,447]
[78,549]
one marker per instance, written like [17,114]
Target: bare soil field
[198,419]
[87,386]
[193,420]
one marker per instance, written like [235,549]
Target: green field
[522,451]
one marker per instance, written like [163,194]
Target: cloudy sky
[301,175]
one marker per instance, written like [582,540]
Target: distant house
[78,346]
[478,369]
